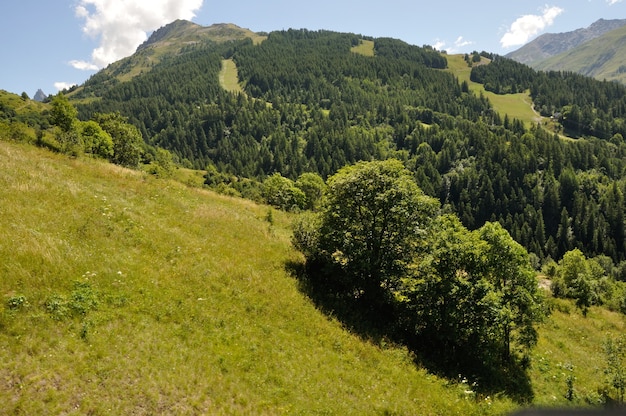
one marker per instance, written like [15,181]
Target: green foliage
[474,304]
[70,142]
[162,162]
[62,113]
[615,370]
[467,300]
[589,281]
[372,221]
[283,193]
[80,301]
[313,187]
[96,141]
[127,139]
[16,302]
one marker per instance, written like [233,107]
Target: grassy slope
[572,345]
[229,77]
[365,48]
[21,106]
[515,105]
[600,58]
[144,296]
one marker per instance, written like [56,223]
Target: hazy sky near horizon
[52,44]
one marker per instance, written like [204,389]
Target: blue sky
[50,44]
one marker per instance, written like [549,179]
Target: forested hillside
[310,104]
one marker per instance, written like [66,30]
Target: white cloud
[529,25]
[63,85]
[459,43]
[84,65]
[121,26]
[612,2]
[439,44]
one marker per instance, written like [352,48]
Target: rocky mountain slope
[552,44]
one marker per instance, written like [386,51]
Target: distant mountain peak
[551,44]
[40,96]
[168,31]
[189,32]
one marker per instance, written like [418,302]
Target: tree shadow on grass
[482,377]
[334,297]
[378,322]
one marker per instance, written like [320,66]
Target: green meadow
[126,294]
[229,78]
[515,105]
[365,48]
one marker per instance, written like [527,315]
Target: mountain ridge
[602,58]
[552,44]
[188,32]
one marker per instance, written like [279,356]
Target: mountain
[39,96]
[316,101]
[603,58]
[201,300]
[167,42]
[183,32]
[551,44]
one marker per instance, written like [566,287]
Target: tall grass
[572,346]
[125,294]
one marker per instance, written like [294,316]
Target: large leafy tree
[372,221]
[471,303]
[507,267]
[63,116]
[282,192]
[313,186]
[62,113]
[127,140]
[466,299]
[96,141]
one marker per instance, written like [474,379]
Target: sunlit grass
[125,294]
[229,77]
[517,106]
[572,345]
[365,48]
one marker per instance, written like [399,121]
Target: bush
[282,193]
[16,302]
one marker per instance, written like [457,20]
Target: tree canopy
[466,299]
[372,220]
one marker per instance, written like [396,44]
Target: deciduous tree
[373,220]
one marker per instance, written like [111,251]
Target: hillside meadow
[514,105]
[126,294]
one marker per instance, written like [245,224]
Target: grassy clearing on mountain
[365,48]
[126,294]
[229,78]
[515,105]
